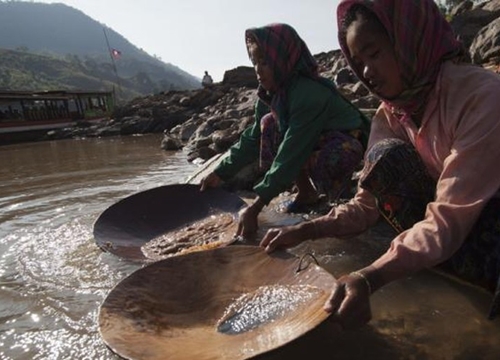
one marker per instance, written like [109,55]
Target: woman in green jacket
[305,133]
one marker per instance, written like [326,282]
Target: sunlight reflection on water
[52,275]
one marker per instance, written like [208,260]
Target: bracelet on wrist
[365,279]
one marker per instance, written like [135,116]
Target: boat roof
[48,94]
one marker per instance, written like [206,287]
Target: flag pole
[112,60]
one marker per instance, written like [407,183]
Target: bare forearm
[257,205]
[378,277]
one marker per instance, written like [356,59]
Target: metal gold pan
[170,309]
[131,222]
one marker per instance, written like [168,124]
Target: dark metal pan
[127,225]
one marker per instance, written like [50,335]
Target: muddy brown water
[53,277]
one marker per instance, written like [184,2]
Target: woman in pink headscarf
[431,165]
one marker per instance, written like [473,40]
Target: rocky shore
[206,122]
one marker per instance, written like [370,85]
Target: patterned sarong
[397,178]
[331,164]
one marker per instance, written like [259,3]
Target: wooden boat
[25,115]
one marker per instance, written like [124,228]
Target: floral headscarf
[422,40]
[288,55]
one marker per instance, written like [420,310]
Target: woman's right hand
[212,180]
[285,237]
[349,302]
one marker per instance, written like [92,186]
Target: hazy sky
[199,35]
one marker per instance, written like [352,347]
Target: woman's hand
[212,180]
[248,222]
[248,219]
[349,301]
[285,237]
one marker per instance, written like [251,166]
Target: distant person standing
[207,80]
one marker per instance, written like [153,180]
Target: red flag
[116,53]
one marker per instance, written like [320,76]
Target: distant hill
[54,46]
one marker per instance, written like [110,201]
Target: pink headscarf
[422,40]
[287,55]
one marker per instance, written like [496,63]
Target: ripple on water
[13,304]
[54,344]
[65,257]
[55,280]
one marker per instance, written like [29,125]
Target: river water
[53,277]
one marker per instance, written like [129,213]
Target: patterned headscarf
[287,55]
[422,40]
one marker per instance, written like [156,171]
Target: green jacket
[312,108]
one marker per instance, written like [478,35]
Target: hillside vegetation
[54,46]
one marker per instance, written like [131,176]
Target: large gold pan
[170,309]
[127,225]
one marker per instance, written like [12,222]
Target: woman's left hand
[349,302]
[285,237]
[248,223]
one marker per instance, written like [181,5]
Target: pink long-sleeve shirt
[459,142]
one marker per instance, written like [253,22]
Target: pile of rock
[478,26]
[216,127]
